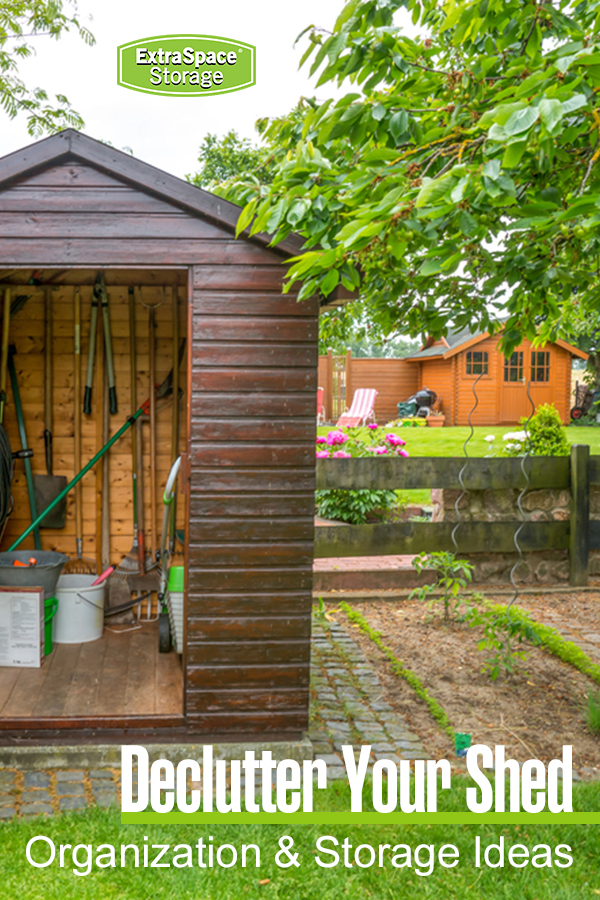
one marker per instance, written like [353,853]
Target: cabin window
[477,362]
[513,367]
[540,365]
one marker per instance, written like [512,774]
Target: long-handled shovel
[35,518]
[49,486]
[80,565]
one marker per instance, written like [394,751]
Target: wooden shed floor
[121,674]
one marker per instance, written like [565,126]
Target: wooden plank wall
[27,334]
[252,471]
[394,379]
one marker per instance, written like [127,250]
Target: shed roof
[457,341]
[71,145]
[74,145]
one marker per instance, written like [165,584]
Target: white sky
[167,131]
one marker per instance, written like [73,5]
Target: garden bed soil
[532,712]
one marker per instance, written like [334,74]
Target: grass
[309,882]
[450,441]
[552,641]
[593,711]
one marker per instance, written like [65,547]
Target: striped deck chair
[362,409]
[320,413]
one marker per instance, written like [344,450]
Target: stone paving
[346,707]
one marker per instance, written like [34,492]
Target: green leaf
[552,112]
[522,120]
[245,217]
[330,282]
[275,219]
[378,112]
[574,103]
[499,115]
[434,189]
[512,154]
[398,124]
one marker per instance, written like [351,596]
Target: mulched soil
[532,712]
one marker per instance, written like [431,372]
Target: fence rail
[575,473]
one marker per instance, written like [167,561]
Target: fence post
[579,541]
[329,388]
[348,379]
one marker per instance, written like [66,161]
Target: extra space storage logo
[188,65]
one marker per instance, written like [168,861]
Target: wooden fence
[340,376]
[576,473]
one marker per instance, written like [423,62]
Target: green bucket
[176,579]
[50,608]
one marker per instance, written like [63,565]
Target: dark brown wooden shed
[70,207]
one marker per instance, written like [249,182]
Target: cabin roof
[457,341]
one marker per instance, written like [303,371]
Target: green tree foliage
[460,173]
[21,20]
[230,158]
[581,327]
[351,327]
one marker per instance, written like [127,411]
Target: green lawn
[449,441]
[20,881]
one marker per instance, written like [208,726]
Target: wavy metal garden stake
[519,503]
[464,468]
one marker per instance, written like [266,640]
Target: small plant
[453,577]
[503,636]
[320,611]
[593,711]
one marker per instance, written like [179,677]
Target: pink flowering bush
[395,441]
[354,506]
[336,437]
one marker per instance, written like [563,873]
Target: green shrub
[353,506]
[546,433]
[543,435]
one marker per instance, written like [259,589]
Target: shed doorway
[120,678]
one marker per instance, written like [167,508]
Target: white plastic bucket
[80,616]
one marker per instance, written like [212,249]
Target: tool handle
[87,397]
[112,400]
[22,454]
[87,400]
[48,450]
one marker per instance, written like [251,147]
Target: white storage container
[80,616]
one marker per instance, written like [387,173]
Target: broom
[80,565]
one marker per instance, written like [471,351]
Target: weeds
[593,711]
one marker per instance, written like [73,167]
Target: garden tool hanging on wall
[35,518]
[49,486]
[100,299]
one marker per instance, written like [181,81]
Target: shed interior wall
[28,336]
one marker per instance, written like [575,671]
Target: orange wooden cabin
[451,365]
